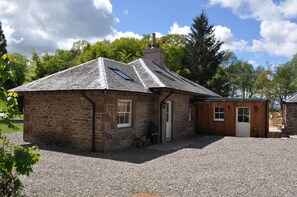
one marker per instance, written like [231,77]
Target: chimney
[154,52]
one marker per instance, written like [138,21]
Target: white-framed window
[124,115]
[219,113]
[190,114]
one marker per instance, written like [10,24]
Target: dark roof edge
[81,90]
[216,99]
[158,89]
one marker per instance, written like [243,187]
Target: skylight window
[121,74]
[164,75]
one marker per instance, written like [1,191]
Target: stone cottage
[105,104]
[290,115]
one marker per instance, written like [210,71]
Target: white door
[243,122]
[168,119]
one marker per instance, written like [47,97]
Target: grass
[5,129]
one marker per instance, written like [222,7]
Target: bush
[15,160]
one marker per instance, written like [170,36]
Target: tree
[174,50]
[264,86]
[19,66]
[242,76]
[284,80]
[14,160]
[203,55]
[2,42]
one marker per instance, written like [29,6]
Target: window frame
[123,125]
[218,112]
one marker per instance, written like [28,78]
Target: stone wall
[181,126]
[290,114]
[60,119]
[65,118]
[143,111]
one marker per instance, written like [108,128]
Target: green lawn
[5,129]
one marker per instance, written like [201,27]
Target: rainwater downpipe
[161,115]
[93,120]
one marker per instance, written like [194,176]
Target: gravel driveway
[213,166]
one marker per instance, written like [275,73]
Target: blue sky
[256,31]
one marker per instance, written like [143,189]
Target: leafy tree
[220,82]
[127,49]
[264,86]
[2,42]
[203,55]
[14,160]
[284,79]
[242,76]
[174,51]
[19,66]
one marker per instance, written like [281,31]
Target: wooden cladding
[209,125]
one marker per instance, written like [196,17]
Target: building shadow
[136,155]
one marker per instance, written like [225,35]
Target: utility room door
[243,125]
[168,119]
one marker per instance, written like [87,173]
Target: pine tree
[2,42]
[202,51]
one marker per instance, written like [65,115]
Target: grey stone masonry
[290,114]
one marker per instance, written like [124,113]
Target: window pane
[121,119]
[246,119]
[240,111]
[221,109]
[222,116]
[217,116]
[217,109]
[246,111]
[240,118]
[127,117]
[128,106]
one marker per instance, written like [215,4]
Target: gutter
[161,114]
[93,120]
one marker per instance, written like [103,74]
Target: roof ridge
[139,78]
[102,73]
[127,64]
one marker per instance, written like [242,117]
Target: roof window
[164,75]
[121,74]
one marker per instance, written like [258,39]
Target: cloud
[277,29]
[46,25]
[126,12]
[277,38]
[176,29]
[230,43]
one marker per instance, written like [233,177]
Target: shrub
[15,160]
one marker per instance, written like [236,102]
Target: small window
[190,114]
[219,114]
[121,74]
[124,114]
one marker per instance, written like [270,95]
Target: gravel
[212,166]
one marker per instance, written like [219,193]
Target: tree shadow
[133,154]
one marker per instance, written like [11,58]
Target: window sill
[123,126]
[218,120]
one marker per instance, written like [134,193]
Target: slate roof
[292,99]
[99,74]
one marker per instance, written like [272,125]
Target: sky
[259,32]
